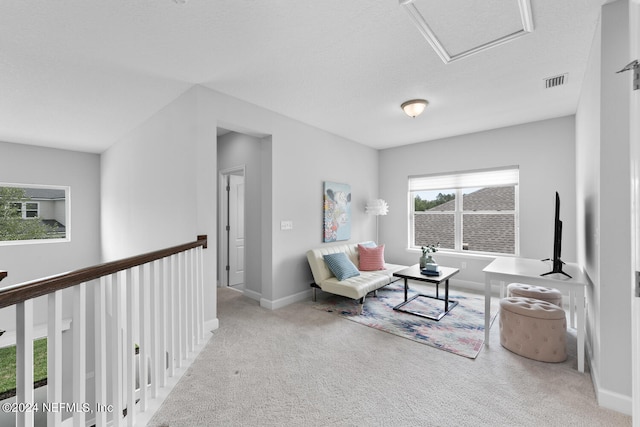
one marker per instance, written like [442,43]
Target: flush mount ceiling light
[414,107]
[465,29]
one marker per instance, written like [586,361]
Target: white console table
[529,271]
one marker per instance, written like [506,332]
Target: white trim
[222,215]
[527,27]
[458,182]
[609,399]
[282,302]
[67,202]
[211,324]
[256,296]
[142,418]
[634,136]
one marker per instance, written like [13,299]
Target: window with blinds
[474,211]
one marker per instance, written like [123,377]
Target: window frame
[459,212]
[67,213]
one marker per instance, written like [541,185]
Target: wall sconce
[414,107]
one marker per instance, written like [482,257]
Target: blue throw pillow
[341,266]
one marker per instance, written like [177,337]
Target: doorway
[232,191]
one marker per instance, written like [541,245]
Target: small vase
[423,262]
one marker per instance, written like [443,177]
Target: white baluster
[143,355]
[153,327]
[179,298]
[196,285]
[184,307]
[79,356]
[201,290]
[100,341]
[130,350]
[171,308]
[116,349]
[190,306]
[54,356]
[163,266]
[24,361]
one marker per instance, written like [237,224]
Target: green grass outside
[8,365]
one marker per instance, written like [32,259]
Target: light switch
[286,225]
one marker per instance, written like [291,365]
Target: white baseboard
[256,296]
[279,303]
[610,399]
[142,418]
[605,398]
[211,324]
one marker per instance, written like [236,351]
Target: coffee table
[413,273]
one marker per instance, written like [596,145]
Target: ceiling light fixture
[414,107]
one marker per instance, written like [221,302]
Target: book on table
[431,270]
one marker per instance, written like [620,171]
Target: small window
[30,210]
[33,214]
[466,211]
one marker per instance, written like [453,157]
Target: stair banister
[166,324]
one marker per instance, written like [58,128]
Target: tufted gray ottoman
[551,295]
[533,328]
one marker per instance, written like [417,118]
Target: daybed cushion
[353,287]
[341,266]
[371,259]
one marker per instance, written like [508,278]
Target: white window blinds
[479,178]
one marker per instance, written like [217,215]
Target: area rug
[460,332]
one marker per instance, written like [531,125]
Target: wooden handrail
[3,274]
[25,291]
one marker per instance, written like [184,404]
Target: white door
[634,135]
[236,230]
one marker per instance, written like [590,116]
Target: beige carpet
[303,367]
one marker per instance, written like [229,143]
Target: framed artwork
[337,212]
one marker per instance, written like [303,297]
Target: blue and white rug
[460,332]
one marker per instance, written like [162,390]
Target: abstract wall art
[337,212]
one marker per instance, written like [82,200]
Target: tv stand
[557,267]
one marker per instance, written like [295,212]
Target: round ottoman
[551,295]
[533,328]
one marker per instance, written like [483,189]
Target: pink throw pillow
[371,259]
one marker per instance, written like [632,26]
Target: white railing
[147,318]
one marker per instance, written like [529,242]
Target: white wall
[25,164]
[545,153]
[157,177]
[603,172]
[151,183]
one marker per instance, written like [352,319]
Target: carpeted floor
[461,331]
[298,366]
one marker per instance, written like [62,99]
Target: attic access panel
[459,28]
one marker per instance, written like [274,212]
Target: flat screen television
[557,243]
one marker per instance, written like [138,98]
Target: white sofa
[354,287]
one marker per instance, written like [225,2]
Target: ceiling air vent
[554,81]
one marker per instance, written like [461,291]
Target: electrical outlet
[463,265]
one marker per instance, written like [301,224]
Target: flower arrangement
[430,249]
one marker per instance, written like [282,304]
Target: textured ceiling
[79,74]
